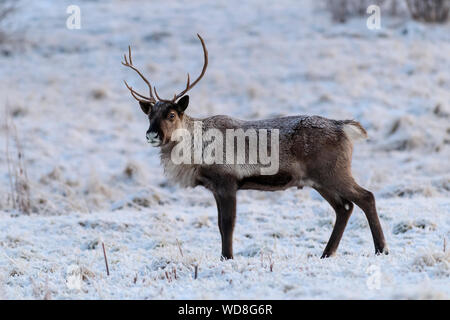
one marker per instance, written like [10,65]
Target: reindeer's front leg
[226,207]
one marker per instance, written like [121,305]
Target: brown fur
[314,151]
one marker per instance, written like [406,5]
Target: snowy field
[92,177]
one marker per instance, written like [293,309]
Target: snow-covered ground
[93,177]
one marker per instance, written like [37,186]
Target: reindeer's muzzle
[153,139]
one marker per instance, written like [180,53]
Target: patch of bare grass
[19,196]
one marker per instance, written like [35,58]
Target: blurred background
[82,134]
[73,139]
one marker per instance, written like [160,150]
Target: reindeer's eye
[171,116]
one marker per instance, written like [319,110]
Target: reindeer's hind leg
[366,201]
[343,209]
[340,190]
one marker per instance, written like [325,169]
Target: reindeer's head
[165,115]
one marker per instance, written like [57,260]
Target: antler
[189,86]
[129,63]
[139,97]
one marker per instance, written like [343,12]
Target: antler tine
[163,100]
[134,93]
[129,63]
[129,54]
[205,65]
[188,81]
[175,97]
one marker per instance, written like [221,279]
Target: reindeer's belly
[279,181]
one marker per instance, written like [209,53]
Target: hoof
[327,255]
[384,251]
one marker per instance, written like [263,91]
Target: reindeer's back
[309,130]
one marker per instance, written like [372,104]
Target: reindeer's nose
[152,137]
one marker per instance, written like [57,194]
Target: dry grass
[7,7]
[342,10]
[19,196]
[106,259]
[430,11]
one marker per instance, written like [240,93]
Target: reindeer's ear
[145,106]
[183,104]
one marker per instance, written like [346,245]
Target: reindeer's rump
[312,130]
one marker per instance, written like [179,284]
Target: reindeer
[313,151]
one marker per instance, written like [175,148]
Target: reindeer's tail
[354,130]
